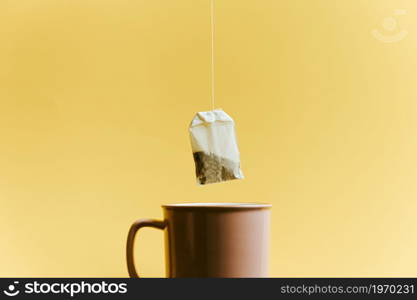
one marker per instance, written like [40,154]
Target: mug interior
[227,205]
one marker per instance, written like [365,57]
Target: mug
[210,239]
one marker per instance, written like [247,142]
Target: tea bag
[213,141]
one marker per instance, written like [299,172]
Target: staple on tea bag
[214,145]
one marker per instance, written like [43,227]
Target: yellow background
[95,101]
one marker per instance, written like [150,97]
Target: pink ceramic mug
[211,239]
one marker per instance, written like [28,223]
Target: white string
[212,53]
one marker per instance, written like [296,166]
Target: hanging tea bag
[214,146]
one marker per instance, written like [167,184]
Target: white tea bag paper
[213,141]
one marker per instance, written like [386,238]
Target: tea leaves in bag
[214,145]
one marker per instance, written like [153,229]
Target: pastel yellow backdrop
[95,101]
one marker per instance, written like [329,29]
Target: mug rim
[217,205]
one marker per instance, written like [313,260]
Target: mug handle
[131,240]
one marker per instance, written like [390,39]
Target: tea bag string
[212,53]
